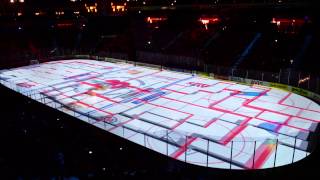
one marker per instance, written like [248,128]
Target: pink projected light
[201,121]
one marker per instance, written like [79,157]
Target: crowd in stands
[236,42]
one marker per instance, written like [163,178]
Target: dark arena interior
[267,46]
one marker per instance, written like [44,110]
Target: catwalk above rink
[202,121]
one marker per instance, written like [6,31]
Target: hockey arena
[195,119]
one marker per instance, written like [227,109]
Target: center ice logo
[115,84]
[102,85]
[201,85]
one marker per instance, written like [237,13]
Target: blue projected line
[252,94]
[140,94]
[268,126]
[4,78]
[149,98]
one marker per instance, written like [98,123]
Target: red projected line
[281,102]
[213,120]
[219,101]
[281,124]
[261,156]
[183,148]
[147,102]
[232,90]
[280,113]
[284,98]
[88,105]
[223,99]
[277,112]
[93,85]
[181,122]
[234,132]
[212,108]
[176,125]
[298,107]
[287,106]
[209,92]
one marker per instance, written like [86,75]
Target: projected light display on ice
[201,121]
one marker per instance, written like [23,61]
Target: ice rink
[201,121]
